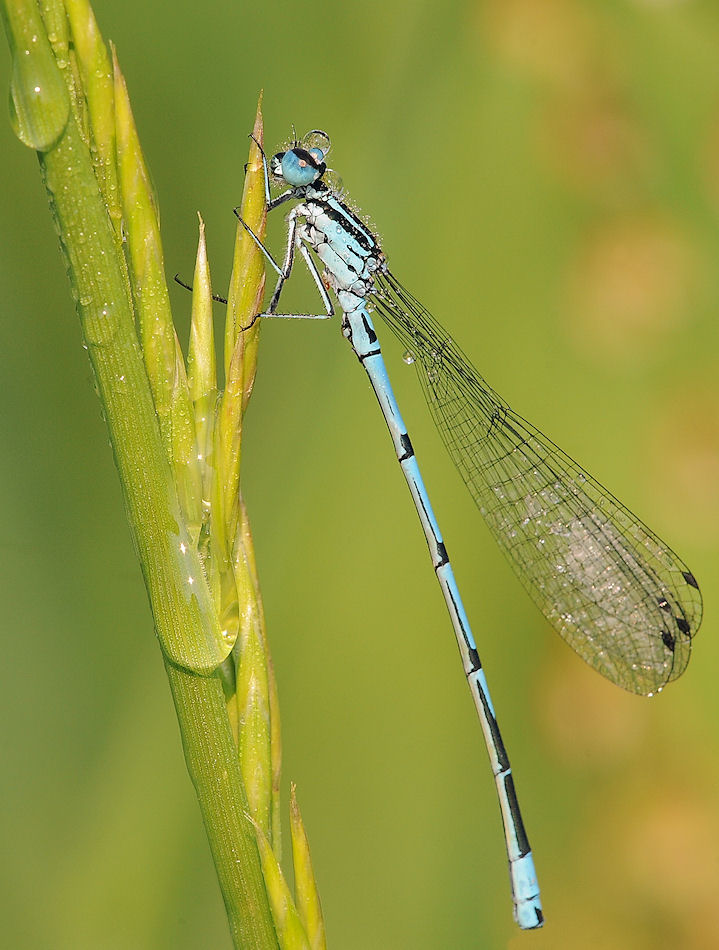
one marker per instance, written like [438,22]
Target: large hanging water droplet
[39,100]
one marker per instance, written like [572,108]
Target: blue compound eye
[300,167]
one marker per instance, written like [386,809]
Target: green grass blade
[183,612]
[307,897]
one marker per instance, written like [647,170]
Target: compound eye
[300,167]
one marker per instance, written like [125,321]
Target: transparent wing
[614,591]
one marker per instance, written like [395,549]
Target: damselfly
[616,593]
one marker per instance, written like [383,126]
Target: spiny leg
[270,202]
[276,267]
[286,269]
[317,277]
[182,283]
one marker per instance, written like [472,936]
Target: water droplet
[39,100]
[408,357]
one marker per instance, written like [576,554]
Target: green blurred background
[544,177]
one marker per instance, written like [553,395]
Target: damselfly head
[304,162]
[298,166]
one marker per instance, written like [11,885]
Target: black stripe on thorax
[338,211]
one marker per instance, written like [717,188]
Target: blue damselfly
[616,593]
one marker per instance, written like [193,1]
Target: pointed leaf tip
[306,895]
[290,931]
